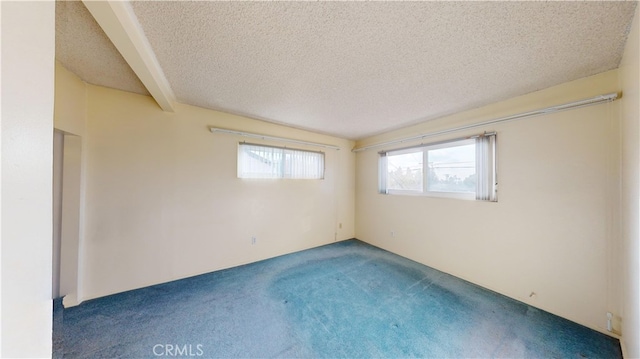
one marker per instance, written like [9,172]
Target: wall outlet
[392,233]
[253,240]
[340,225]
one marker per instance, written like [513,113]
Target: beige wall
[163,200]
[70,102]
[554,230]
[630,104]
[28,47]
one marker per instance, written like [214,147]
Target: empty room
[320,179]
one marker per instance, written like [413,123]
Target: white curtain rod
[571,105]
[265,137]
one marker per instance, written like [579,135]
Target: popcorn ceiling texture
[84,49]
[354,69]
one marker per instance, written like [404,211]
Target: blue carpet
[57,338]
[344,300]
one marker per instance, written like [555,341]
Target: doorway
[67,190]
[58,148]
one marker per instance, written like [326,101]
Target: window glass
[463,168]
[452,169]
[258,161]
[404,171]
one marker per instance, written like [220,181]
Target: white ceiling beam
[121,25]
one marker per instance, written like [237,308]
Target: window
[459,169]
[258,161]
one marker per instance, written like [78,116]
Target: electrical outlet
[253,240]
[340,225]
[392,233]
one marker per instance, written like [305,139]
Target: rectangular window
[458,169]
[259,161]
[404,170]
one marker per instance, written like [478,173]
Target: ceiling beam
[119,22]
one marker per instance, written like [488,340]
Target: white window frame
[489,171]
[281,171]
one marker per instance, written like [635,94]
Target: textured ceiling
[354,69]
[84,49]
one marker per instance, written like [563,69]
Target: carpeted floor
[345,300]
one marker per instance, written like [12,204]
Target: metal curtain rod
[571,105]
[265,137]
[449,140]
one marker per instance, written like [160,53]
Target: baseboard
[623,347]
[70,300]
